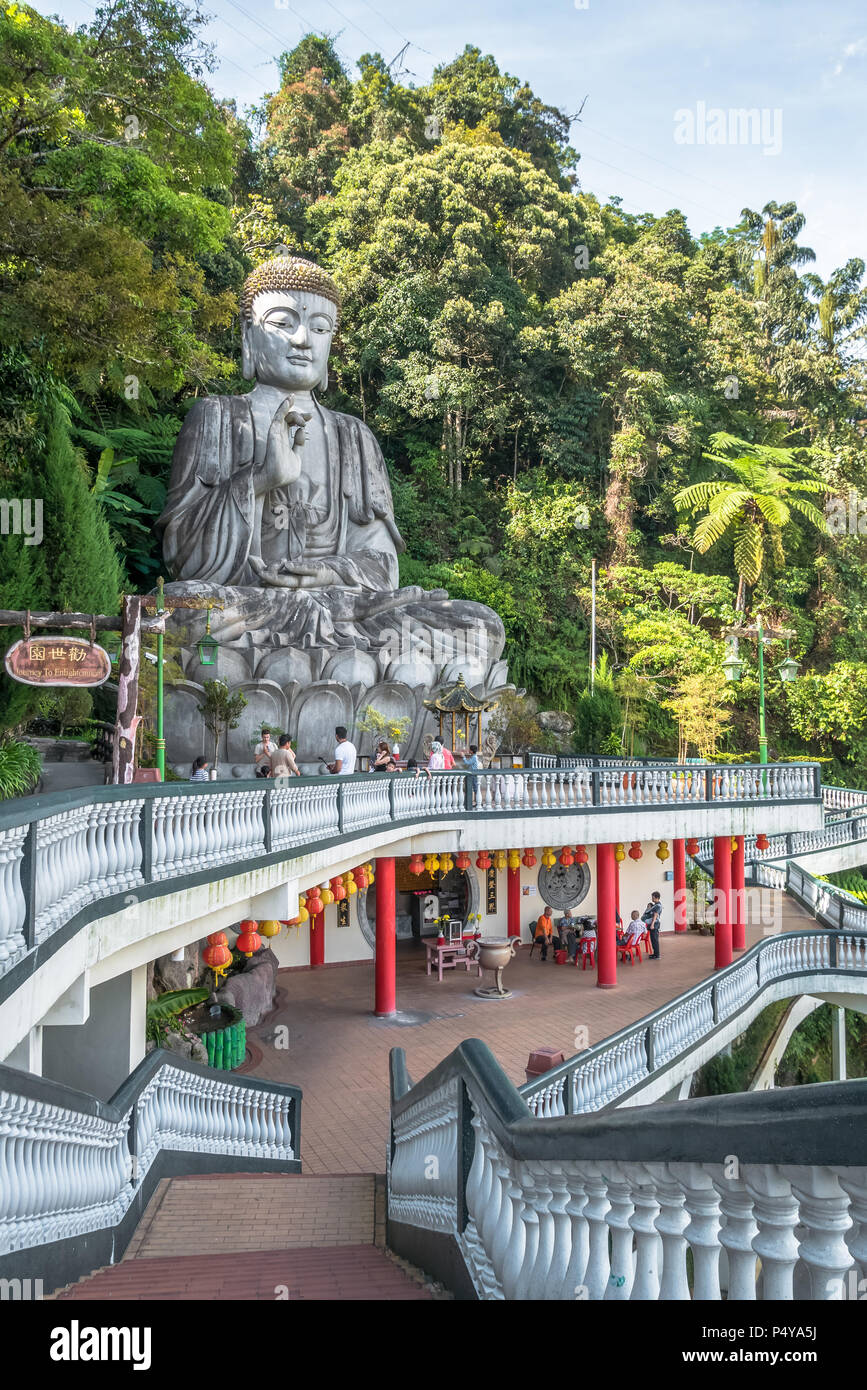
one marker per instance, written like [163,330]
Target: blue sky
[638,64]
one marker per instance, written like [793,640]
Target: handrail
[66,856]
[71,1165]
[603,1075]
[612,1206]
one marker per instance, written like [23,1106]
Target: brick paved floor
[338,1052]
[338,1273]
[201,1215]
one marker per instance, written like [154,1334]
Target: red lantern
[635,850]
[762,842]
[462,861]
[416,864]
[218,938]
[566,857]
[360,877]
[249,941]
[338,889]
[315,904]
[483,860]
[581,855]
[692,847]
[528,859]
[217,956]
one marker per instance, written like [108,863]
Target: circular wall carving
[561,887]
[367,925]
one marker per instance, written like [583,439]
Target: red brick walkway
[338,1052]
[338,1273]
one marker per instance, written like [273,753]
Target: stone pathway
[338,1052]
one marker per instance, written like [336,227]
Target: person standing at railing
[263,753]
[345,754]
[199,770]
[283,762]
[652,917]
[436,762]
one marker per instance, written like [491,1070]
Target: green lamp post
[161,739]
[733,668]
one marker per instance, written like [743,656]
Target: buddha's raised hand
[286,438]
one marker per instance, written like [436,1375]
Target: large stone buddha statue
[280,511]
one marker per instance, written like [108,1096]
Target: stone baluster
[12,905]
[556,1286]
[619,1285]
[671,1224]
[648,1243]
[529,1217]
[702,1233]
[856,1237]
[579,1235]
[825,1221]
[595,1210]
[540,1198]
[509,1196]
[776,1213]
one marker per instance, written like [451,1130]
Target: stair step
[348,1272]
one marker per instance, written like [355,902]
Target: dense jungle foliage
[552,379]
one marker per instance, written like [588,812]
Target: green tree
[755,508]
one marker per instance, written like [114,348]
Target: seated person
[567,922]
[544,933]
[570,936]
[636,928]
[588,937]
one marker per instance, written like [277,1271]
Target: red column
[317,939]
[679,849]
[384,965]
[513,902]
[722,883]
[606,945]
[739,902]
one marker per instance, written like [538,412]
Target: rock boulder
[252,991]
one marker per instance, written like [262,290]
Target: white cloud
[858,49]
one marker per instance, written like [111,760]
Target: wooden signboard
[57,661]
[343,913]
[405,882]
[490,891]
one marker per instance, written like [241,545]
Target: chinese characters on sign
[57,661]
[490,891]
[343,913]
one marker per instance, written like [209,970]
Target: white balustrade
[64,1173]
[12,905]
[566,1229]
[423,1173]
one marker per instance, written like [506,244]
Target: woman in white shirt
[436,762]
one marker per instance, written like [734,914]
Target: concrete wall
[97,1055]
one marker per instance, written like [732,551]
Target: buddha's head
[289,311]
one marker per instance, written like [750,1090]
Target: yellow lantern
[303,914]
[514,859]
[662,851]
[269,928]
[620,853]
[327,897]
[500,859]
[350,885]
[734,843]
